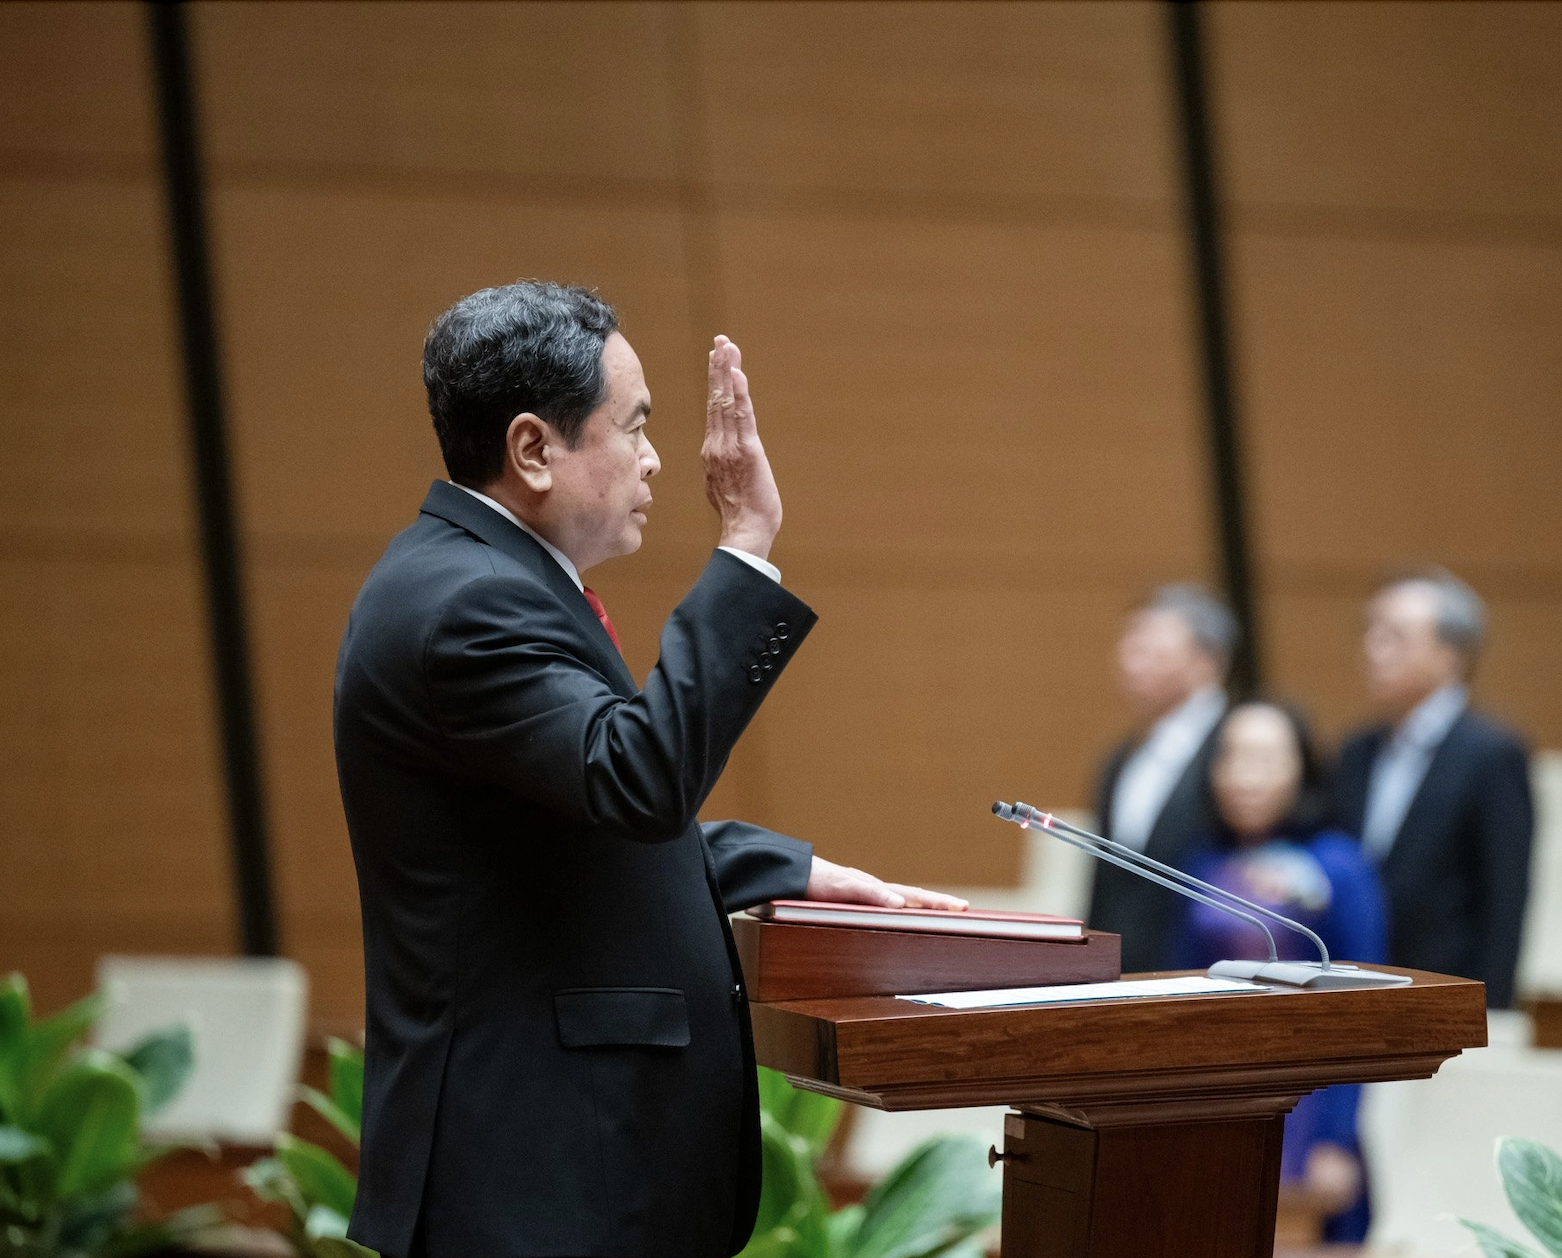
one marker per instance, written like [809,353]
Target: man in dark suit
[1439,795]
[559,1059]
[1172,663]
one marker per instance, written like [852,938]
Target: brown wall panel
[76,93]
[982,110]
[1438,110]
[556,93]
[979,420]
[112,835]
[1397,282]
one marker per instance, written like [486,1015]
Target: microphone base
[1308,974]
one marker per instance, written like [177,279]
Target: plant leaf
[91,1219]
[1532,1178]
[781,1242]
[322,1221]
[48,1040]
[806,1114]
[347,1080]
[942,1193]
[792,1209]
[164,1060]
[330,1111]
[320,1178]
[15,1015]
[842,1228]
[1495,1245]
[18,1146]
[339,1247]
[269,1180]
[169,1233]
[90,1114]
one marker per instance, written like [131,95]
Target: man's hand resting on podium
[844,885]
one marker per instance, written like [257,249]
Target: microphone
[1317,975]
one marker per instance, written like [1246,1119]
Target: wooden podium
[1145,1128]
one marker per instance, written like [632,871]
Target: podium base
[1308,974]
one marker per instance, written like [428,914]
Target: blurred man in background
[1439,795]
[1172,663]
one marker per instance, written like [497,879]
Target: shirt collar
[563,559]
[1431,719]
[1190,722]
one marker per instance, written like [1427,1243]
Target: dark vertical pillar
[1224,428]
[213,489]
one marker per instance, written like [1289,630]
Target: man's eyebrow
[642,410]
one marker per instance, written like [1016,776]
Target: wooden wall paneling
[1398,277]
[111,824]
[111,835]
[979,405]
[77,95]
[559,97]
[985,109]
[1406,394]
[1416,112]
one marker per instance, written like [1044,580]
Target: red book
[992,923]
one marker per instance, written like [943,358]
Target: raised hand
[845,885]
[738,480]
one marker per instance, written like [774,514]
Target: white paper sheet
[1072,993]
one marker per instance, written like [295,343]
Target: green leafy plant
[1531,1176]
[930,1206]
[310,1180]
[70,1134]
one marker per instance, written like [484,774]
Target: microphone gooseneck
[1168,876]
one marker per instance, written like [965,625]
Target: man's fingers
[920,898]
[881,894]
[721,409]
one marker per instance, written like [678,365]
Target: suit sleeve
[1505,828]
[754,864]
[519,704]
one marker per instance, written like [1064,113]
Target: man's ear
[526,452]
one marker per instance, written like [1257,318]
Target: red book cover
[993,923]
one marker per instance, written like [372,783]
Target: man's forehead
[627,389]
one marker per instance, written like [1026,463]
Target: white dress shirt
[1152,771]
[1401,767]
[753,561]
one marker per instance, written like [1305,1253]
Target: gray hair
[1214,627]
[1461,615]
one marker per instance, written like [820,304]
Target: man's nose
[649,461]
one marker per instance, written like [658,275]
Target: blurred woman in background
[1271,845]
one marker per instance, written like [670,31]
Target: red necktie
[607,623]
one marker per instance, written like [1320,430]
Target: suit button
[774,646]
[756,673]
[765,662]
[782,630]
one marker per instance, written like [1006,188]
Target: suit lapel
[456,506]
[1183,806]
[1429,813]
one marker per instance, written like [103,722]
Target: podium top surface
[894,1054]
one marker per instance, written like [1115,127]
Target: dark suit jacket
[1144,914]
[559,1058]
[1457,877]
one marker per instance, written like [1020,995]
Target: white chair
[1429,1142]
[247,1016]
[1540,958]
